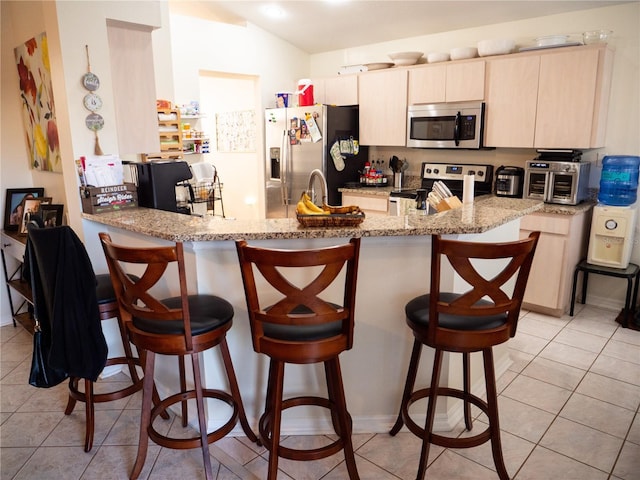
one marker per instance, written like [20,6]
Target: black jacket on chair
[64,286]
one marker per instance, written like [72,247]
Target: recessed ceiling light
[274,11]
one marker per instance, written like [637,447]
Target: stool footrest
[193,442]
[264,427]
[441,440]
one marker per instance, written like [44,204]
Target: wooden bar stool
[301,328]
[183,326]
[465,323]
[53,246]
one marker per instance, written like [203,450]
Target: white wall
[69,27]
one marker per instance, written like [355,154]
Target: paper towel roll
[467,189]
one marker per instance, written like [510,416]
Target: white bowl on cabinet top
[462,53]
[499,46]
[405,58]
[436,57]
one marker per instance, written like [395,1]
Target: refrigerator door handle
[283,168]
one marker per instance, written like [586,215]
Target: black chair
[71,300]
[465,323]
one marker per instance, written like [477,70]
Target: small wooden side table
[631,273]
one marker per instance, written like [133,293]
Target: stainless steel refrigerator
[299,140]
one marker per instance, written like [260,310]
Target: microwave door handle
[456,130]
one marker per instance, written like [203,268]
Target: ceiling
[317,26]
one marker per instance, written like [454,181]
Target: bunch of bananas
[306,206]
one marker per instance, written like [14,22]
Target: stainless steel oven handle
[548,187]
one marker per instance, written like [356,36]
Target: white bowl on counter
[499,46]
[436,57]
[462,53]
[551,40]
[405,58]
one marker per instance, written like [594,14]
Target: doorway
[231,105]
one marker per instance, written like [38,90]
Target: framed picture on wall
[51,214]
[14,205]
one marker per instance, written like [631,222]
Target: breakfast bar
[394,267]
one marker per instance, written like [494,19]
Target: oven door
[563,188]
[535,185]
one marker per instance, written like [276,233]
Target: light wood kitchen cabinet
[383,107]
[340,90]
[511,103]
[370,204]
[563,243]
[453,82]
[573,98]
[549,99]
[427,84]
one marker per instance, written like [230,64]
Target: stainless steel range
[452,174]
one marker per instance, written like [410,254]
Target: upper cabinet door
[465,81]
[512,93]
[427,84]
[341,90]
[452,82]
[570,98]
[383,107]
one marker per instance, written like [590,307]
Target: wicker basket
[332,220]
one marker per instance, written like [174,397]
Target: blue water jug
[619,180]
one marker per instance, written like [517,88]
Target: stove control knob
[480,173]
[436,171]
[427,170]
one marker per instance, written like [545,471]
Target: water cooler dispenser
[612,234]
[614,217]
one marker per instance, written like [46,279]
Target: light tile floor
[568,410]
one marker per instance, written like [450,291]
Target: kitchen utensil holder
[397,180]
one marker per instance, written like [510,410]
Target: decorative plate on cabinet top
[378,65]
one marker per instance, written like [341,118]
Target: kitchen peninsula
[394,267]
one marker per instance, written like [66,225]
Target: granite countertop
[547,208]
[481,216]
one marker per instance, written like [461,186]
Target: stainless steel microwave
[446,125]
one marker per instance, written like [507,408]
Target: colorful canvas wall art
[38,107]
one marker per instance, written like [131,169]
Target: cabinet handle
[5,245]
